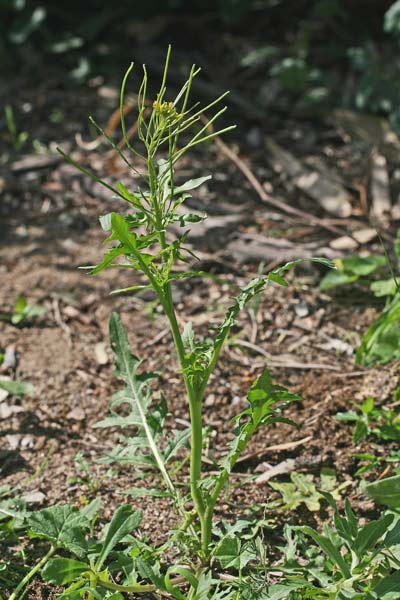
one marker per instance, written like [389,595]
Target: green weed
[380,342]
[203,557]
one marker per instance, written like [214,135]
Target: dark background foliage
[316,53]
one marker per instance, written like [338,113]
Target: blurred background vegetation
[304,55]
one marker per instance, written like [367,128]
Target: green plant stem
[195,410]
[195,400]
[128,589]
[137,588]
[24,582]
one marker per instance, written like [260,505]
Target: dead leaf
[77,414]
[345,242]
[286,466]
[326,191]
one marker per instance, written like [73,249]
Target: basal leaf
[62,526]
[123,522]
[60,571]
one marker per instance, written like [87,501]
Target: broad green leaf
[380,343]
[363,265]
[368,536]
[16,388]
[301,490]
[385,287]
[336,278]
[386,491]
[228,551]
[60,571]
[390,583]
[393,535]
[123,522]
[350,269]
[278,279]
[63,526]
[281,591]
[21,304]
[92,509]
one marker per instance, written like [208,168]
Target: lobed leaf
[63,526]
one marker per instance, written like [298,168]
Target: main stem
[195,399]
[195,411]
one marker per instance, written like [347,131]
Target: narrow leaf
[123,522]
[330,550]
